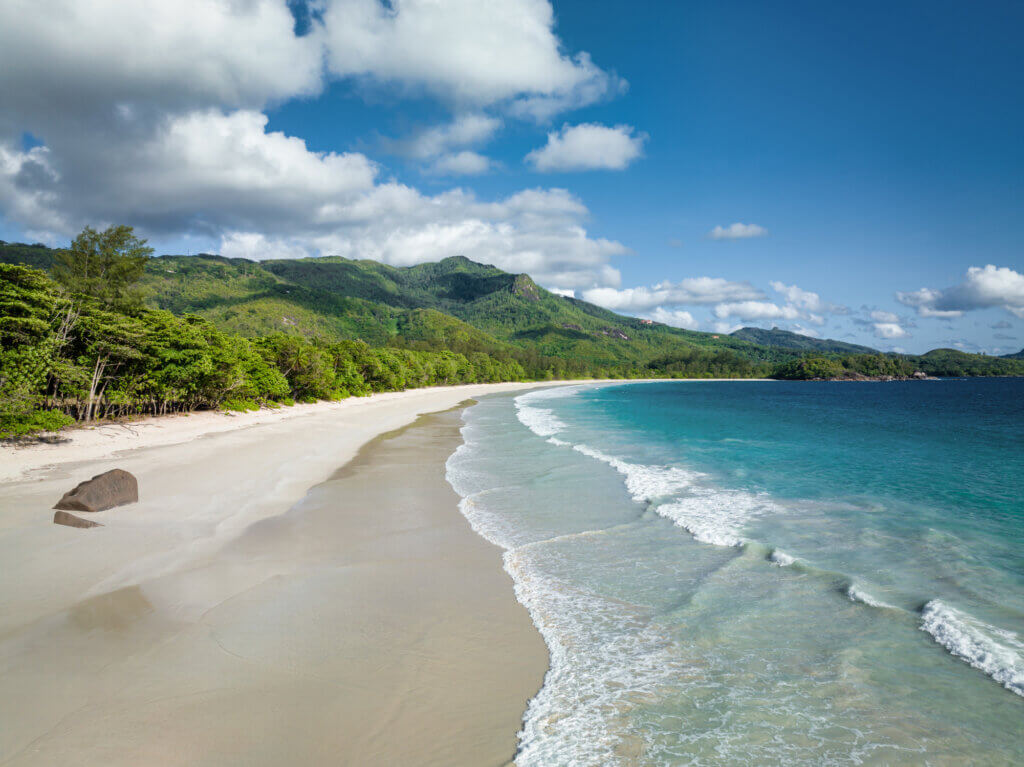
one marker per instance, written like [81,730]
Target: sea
[760,573]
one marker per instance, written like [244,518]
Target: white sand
[85,614]
[107,439]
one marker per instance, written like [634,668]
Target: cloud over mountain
[152,113]
[983,288]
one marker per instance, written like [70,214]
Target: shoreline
[106,439]
[363,621]
[19,462]
[88,616]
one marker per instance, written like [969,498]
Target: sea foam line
[974,642]
[599,659]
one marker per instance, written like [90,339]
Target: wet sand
[366,625]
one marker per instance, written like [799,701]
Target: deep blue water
[748,572]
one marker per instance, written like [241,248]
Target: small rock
[63,518]
[104,491]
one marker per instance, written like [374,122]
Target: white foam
[645,482]
[603,654]
[717,516]
[540,420]
[602,660]
[855,594]
[976,643]
[781,558]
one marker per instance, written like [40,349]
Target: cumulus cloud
[589,146]
[693,290]
[564,292]
[464,130]
[152,114]
[93,60]
[880,316]
[677,318]
[804,330]
[756,310]
[466,51]
[808,301]
[737,231]
[890,330]
[464,163]
[983,288]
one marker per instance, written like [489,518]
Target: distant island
[104,329]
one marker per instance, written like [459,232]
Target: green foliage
[231,333]
[785,339]
[809,368]
[941,363]
[104,265]
[955,364]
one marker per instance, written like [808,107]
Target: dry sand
[236,617]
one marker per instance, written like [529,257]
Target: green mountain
[454,304]
[784,339]
[461,306]
[1015,356]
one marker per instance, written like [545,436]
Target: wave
[645,482]
[542,421]
[856,594]
[998,653]
[780,558]
[717,516]
[604,658]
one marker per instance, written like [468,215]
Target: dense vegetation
[785,339]
[940,363]
[102,329]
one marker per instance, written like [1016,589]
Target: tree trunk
[97,374]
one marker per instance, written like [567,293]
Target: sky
[843,170]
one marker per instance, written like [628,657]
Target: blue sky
[871,152]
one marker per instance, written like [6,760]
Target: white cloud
[565,292]
[880,316]
[588,147]
[737,231]
[465,51]
[224,176]
[152,114]
[464,163]
[465,130]
[96,60]
[808,301]
[890,330]
[756,310]
[693,290]
[982,288]
[804,330]
[726,328]
[677,318]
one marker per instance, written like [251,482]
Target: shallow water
[769,573]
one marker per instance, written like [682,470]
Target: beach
[293,586]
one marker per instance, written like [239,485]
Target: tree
[105,265]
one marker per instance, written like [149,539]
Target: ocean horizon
[762,572]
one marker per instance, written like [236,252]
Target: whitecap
[856,594]
[645,482]
[781,558]
[717,516]
[975,642]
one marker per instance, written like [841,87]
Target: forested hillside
[104,329]
[785,339]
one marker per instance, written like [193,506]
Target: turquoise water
[763,573]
